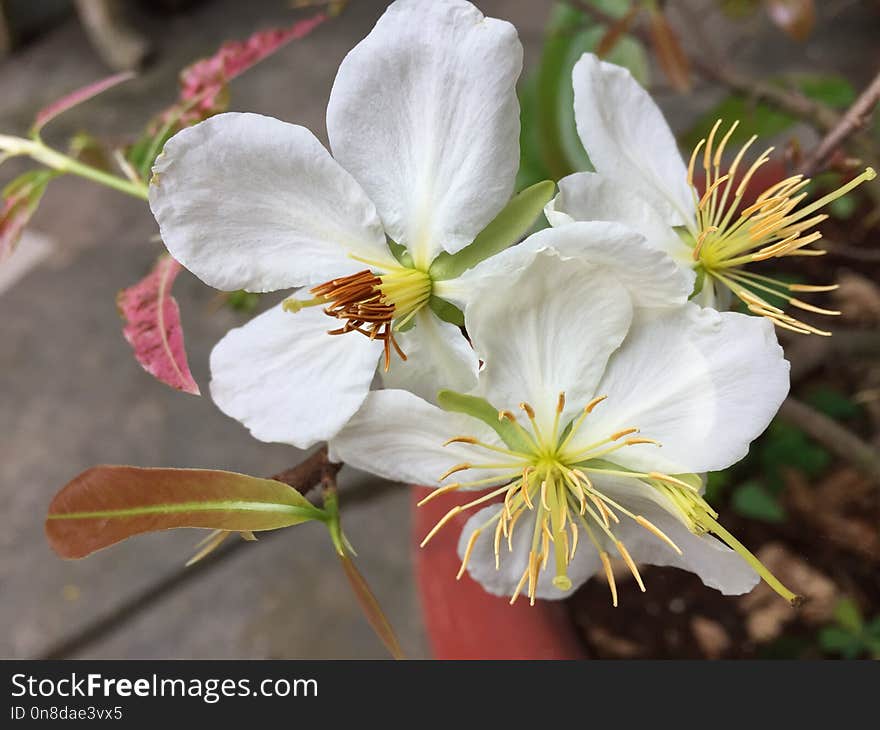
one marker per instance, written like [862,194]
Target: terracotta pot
[465,622]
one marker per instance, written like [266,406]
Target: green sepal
[484,411]
[699,281]
[508,227]
[446,311]
[400,252]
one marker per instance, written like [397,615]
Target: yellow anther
[453,469]
[609,576]
[624,553]
[467,553]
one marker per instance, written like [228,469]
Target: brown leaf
[711,636]
[370,606]
[669,52]
[795,17]
[858,298]
[616,31]
[107,504]
[767,614]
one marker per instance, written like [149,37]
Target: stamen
[453,469]
[437,492]
[651,527]
[773,226]
[624,553]
[467,553]
[372,304]
[609,576]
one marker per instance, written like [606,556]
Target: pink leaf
[152,326]
[18,204]
[78,97]
[205,80]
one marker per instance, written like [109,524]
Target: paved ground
[71,395]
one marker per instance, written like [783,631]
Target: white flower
[423,122]
[590,421]
[641,180]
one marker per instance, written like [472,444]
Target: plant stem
[853,121]
[37,150]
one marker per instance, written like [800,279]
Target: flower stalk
[37,150]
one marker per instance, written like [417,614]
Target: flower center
[373,304]
[771,227]
[555,480]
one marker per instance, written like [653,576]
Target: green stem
[37,150]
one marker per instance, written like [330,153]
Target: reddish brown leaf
[78,97]
[203,87]
[107,504]
[152,326]
[796,18]
[669,52]
[616,31]
[19,202]
[370,606]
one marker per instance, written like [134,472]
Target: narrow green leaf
[106,504]
[484,411]
[507,228]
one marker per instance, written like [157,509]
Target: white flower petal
[628,139]
[717,565]
[399,436]
[287,380]
[438,357]
[652,278]
[503,582]
[248,202]
[424,114]
[550,329]
[587,196]
[702,383]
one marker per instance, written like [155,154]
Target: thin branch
[787,100]
[854,120]
[835,437]
[310,472]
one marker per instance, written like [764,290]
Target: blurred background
[807,499]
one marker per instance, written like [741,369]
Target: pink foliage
[18,204]
[77,97]
[152,326]
[203,83]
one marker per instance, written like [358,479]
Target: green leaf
[765,120]
[843,208]
[835,91]
[751,499]
[107,504]
[507,228]
[848,616]
[754,119]
[243,301]
[446,311]
[716,484]
[837,641]
[832,403]
[484,411]
[785,445]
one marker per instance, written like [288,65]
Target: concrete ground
[72,396]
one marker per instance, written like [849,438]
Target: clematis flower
[641,180]
[586,433]
[423,122]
